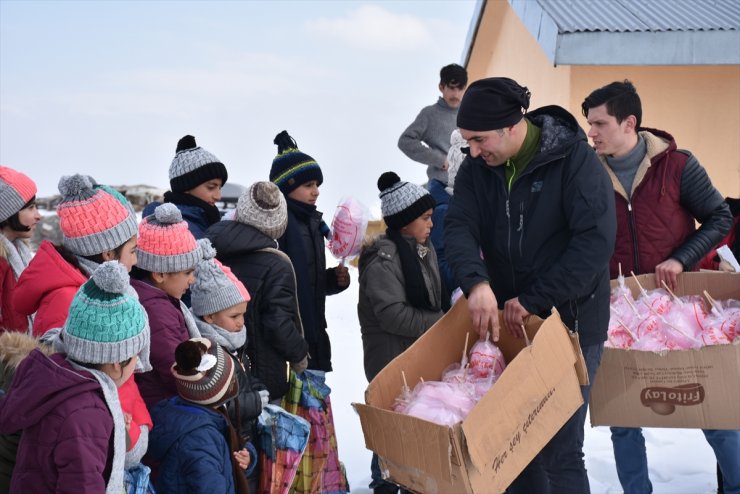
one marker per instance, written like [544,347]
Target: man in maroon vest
[660,192]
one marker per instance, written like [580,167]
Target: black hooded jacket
[549,239]
[273,338]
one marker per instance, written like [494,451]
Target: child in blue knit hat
[299,176]
[219,302]
[66,405]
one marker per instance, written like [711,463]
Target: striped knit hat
[93,218]
[16,190]
[193,165]
[402,202]
[291,168]
[165,242]
[263,206]
[215,288]
[204,373]
[106,323]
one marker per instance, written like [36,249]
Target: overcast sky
[107,88]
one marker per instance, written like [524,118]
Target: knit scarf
[110,394]
[217,334]
[213,215]
[193,330]
[417,293]
[17,253]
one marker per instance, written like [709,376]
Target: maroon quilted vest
[654,224]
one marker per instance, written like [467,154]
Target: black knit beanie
[291,167]
[402,202]
[492,104]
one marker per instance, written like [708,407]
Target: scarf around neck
[417,293]
[231,341]
[213,215]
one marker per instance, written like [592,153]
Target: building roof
[630,32]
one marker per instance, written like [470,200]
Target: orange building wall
[699,105]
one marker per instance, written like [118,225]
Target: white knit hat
[263,206]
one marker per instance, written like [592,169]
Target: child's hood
[41,384]
[175,418]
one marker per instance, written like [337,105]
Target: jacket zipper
[508,242]
[633,234]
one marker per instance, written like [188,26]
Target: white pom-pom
[209,251]
[167,214]
[112,277]
[74,184]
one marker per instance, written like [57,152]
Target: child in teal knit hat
[66,404]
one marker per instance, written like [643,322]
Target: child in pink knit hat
[98,224]
[18,218]
[167,256]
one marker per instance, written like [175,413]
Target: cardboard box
[537,393]
[684,388]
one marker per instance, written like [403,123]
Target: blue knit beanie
[291,167]
[106,323]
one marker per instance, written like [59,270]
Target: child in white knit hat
[219,301]
[400,289]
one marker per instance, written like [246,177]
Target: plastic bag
[348,228]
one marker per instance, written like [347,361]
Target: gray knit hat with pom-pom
[215,288]
[402,202]
[165,242]
[263,206]
[193,165]
[93,218]
[106,324]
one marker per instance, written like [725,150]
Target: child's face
[174,284]
[306,193]
[420,228]
[127,257]
[209,192]
[231,319]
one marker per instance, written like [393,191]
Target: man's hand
[668,271]
[445,165]
[342,274]
[514,315]
[484,310]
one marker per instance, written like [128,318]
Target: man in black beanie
[534,199]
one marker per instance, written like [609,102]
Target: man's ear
[630,123]
[441,87]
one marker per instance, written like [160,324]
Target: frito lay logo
[663,401]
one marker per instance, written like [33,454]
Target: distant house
[682,55]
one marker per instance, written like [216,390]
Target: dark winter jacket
[549,240]
[273,337]
[168,329]
[389,324]
[670,190]
[304,242]
[191,444]
[14,348]
[731,240]
[67,427]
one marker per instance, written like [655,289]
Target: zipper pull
[507,209]
[629,206]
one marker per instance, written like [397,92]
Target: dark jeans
[437,190]
[632,465]
[559,467]
[377,479]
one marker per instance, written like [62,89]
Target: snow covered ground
[681,461]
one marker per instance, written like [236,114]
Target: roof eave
[473,31]
[646,48]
